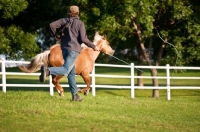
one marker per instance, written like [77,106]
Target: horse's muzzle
[112,52]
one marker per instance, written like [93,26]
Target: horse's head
[103,44]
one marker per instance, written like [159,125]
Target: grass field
[34,110]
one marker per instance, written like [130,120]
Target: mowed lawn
[34,110]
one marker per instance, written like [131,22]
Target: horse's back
[83,63]
[55,56]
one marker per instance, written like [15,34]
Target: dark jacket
[74,35]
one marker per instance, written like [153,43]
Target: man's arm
[53,26]
[84,38]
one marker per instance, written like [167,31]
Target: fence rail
[132,87]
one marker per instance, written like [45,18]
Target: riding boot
[76,97]
[44,73]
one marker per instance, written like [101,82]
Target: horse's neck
[93,54]
[96,53]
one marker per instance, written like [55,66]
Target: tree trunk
[140,62]
[153,71]
[155,92]
[161,52]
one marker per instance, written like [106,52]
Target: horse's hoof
[61,94]
[86,93]
[80,90]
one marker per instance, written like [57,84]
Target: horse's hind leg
[87,80]
[55,81]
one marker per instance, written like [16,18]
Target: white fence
[132,87]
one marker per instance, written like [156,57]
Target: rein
[122,61]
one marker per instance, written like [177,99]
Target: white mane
[97,37]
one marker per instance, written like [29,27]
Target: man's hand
[96,48]
[57,38]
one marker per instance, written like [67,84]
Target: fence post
[93,82]
[51,86]
[168,81]
[132,81]
[3,69]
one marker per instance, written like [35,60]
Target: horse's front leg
[87,80]
[55,81]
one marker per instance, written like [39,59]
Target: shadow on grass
[27,89]
[146,92]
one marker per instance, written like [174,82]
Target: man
[73,35]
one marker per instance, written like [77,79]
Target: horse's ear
[104,37]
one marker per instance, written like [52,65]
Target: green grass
[22,111]
[34,110]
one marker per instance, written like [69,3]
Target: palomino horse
[83,65]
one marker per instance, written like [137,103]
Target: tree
[176,21]
[15,43]
[127,23]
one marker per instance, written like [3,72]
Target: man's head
[73,11]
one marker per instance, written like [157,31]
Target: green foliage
[176,20]
[181,11]
[108,23]
[3,41]
[17,43]
[11,8]
[96,11]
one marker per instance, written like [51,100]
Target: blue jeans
[68,69]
